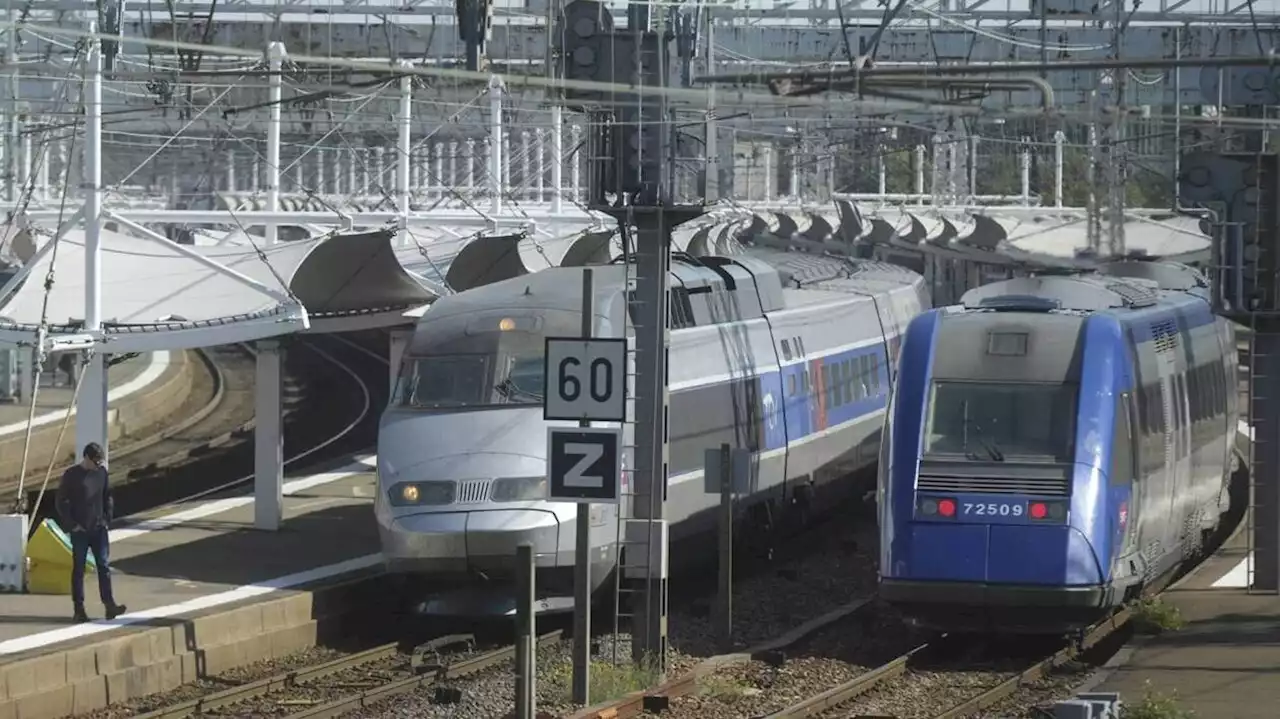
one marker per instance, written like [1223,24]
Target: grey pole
[725,613]
[526,668]
[652,243]
[582,548]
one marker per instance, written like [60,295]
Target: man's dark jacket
[84,499]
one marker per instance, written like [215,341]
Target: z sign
[584,464]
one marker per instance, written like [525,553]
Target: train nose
[481,541]
[1003,554]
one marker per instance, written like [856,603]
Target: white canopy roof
[160,295]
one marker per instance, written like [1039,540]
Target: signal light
[1039,510]
[947,507]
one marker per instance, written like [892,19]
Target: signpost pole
[526,671]
[725,618]
[582,548]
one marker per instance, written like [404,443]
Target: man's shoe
[80,617]
[117,610]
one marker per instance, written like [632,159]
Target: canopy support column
[275,60]
[268,439]
[495,145]
[91,404]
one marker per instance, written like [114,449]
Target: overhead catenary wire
[39,349]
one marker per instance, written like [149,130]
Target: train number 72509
[992,509]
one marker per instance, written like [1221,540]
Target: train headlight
[519,489]
[421,493]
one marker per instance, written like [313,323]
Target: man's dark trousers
[94,540]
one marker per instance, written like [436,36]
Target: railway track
[335,687]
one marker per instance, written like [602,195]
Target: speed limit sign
[586,379]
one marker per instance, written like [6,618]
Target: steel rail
[1040,669]
[855,687]
[261,687]
[463,668]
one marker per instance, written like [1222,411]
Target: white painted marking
[219,506]
[157,363]
[1238,576]
[210,601]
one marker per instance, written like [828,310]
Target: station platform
[143,391]
[1225,663]
[206,593]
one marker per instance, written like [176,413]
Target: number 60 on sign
[586,379]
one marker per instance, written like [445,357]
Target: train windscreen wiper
[509,390]
[990,446]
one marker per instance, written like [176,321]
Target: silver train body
[787,354]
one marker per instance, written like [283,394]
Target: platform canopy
[160,295]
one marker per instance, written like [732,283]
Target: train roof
[1121,285]
[705,290]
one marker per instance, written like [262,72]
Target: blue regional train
[1053,445]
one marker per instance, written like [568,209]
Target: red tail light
[946,507]
[1039,510]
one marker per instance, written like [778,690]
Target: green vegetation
[725,689]
[609,681]
[1154,616]
[1156,706]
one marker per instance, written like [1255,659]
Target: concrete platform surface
[1225,663]
[206,593]
[133,375]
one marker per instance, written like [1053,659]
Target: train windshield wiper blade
[509,389]
[992,448]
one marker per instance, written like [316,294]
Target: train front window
[470,380]
[989,421]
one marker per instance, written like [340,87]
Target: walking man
[84,508]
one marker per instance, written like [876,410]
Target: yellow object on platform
[49,560]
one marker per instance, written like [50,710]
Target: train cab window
[444,381]
[985,420]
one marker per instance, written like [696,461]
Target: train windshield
[447,381]
[989,421]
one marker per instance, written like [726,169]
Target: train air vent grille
[1134,295]
[1164,335]
[473,492]
[971,484]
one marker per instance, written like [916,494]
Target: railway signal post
[630,148]
[585,380]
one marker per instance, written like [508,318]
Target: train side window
[864,364]
[1122,445]
[786,350]
[842,383]
[1221,389]
[875,371]
[1143,411]
[804,381]
[1181,394]
[791,385]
